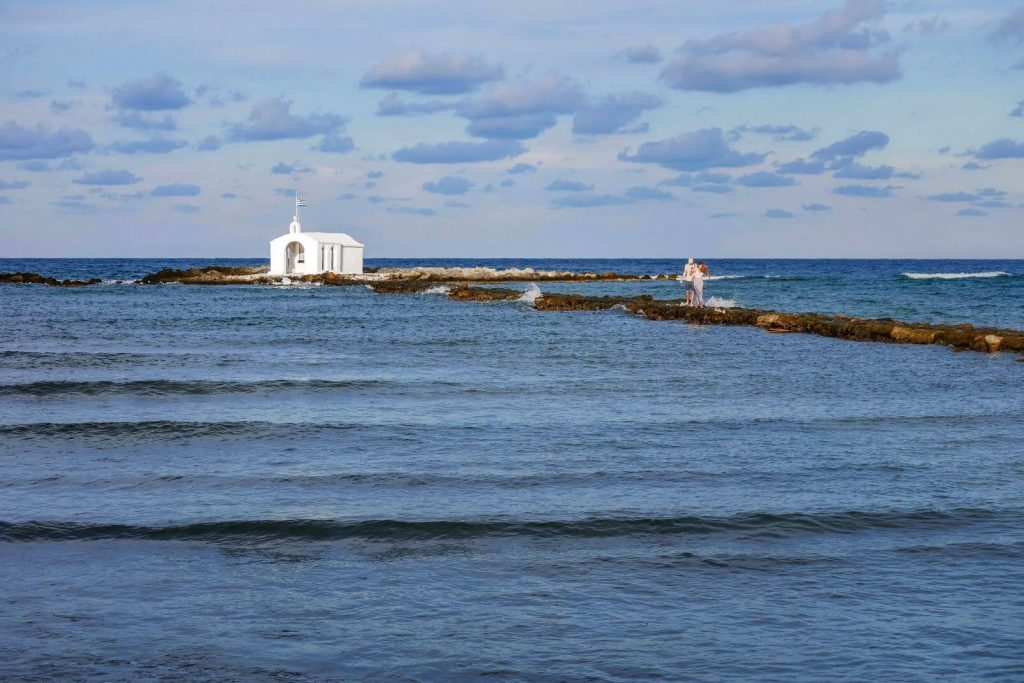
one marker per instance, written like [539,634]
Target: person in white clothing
[698,288]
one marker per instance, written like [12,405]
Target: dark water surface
[309,483]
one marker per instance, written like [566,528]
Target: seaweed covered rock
[401,286]
[466,293]
[578,302]
[36,278]
[959,337]
[342,281]
[212,275]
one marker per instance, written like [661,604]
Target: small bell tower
[295,225]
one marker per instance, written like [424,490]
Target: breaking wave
[531,294]
[955,276]
[718,302]
[711,278]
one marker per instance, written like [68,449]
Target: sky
[460,128]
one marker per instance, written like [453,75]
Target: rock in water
[36,278]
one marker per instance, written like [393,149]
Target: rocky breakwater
[442,274]
[383,280]
[459,283]
[212,275]
[961,337]
[37,279]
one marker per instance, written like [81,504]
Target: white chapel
[312,253]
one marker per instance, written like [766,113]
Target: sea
[303,483]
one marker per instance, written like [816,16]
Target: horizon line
[534,258]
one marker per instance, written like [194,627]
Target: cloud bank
[427,74]
[1010,29]
[517,111]
[156,145]
[107,177]
[272,119]
[696,151]
[23,142]
[448,186]
[394,105]
[156,93]
[641,54]
[613,114]
[175,190]
[841,47]
[458,152]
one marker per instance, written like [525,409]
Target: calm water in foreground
[310,483]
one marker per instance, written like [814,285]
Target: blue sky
[457,128]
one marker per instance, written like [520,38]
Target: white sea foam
[718,302]
[437,289]
[714,277]
[748,277]
[954,276]
[479,273]
[288,283]
[531,294]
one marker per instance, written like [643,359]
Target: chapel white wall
[352,260]
[277,258]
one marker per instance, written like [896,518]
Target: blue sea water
[323,483]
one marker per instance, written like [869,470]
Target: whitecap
[437,289]
[718,302]
[287,283]
[531,294]
[954,276]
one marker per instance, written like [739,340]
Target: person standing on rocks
[698,285]
[687,279]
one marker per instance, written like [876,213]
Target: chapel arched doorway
[294,255]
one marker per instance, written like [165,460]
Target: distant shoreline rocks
[37,279]
[403,277]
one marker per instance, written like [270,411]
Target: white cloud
[838,48]
[427,74]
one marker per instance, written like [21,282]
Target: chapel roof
[333,238]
